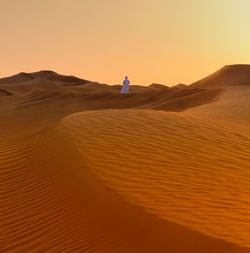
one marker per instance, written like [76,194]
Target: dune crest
[230,75]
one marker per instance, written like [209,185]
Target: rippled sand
[181,169]
[123,180]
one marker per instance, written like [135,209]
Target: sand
[86,169]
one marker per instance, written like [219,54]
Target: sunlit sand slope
[182,169]
[38,212]
[233,107]
[51,201]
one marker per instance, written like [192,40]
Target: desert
[84,168]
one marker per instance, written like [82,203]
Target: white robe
[125,87]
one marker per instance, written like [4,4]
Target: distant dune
[84,168]
[103,96]
[44,74]
[158,86]
[231,75]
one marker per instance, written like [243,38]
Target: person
[125,87]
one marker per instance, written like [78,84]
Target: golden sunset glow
[124,126]
[151,41]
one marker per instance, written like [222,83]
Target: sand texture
[162,169]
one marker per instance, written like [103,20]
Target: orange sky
[102,40]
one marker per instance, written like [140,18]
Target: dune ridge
[229,75]
[103,96]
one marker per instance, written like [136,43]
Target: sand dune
[23,77]
[101,96]
[230,75]
[163,169]
[178,168]
[18,78]
[233,106]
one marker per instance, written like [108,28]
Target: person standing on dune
[125,87]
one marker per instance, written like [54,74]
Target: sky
[151,41]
